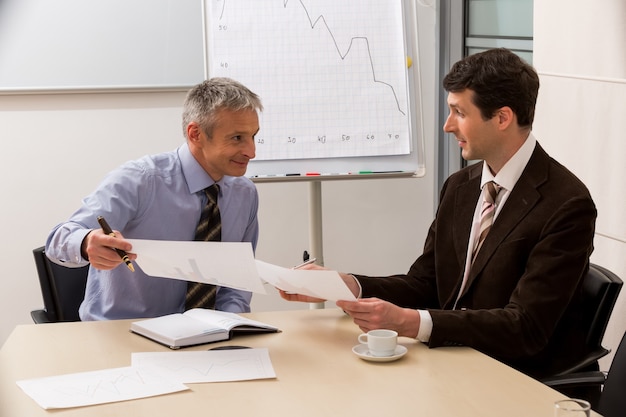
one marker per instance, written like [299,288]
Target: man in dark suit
[516,297]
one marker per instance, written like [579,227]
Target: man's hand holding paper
[232,264]
[311,283]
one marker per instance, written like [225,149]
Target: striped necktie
[486,214]
[209,228]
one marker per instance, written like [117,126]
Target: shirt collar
[511,171]
[196,177]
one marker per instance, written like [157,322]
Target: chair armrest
[577,379]
[590,359]
[40,316]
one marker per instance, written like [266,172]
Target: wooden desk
[317,374]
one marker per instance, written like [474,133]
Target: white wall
[57,147]
[580,54]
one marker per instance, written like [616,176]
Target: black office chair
[62,289]
[600,290]
[612,401]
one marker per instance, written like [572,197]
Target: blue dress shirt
[156,197]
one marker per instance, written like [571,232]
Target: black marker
[107,230]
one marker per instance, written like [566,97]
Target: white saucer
[363,352]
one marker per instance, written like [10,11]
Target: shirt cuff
[426,326]
[359,284]
[75,246]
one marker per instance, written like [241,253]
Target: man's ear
[193,132]
[505,117]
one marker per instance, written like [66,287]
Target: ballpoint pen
[107,230]
[310,261]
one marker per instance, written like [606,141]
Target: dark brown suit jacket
[519,304]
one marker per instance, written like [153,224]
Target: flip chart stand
[315,203]
[315,228]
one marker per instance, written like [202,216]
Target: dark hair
[204,101]
[498,78]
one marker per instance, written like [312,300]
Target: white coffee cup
[380,342]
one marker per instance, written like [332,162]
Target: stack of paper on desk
[151,374]
[232,264]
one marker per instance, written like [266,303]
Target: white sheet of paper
[324,284]
[227,264]
[98,387]
[208,365]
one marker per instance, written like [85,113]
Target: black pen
[107,230]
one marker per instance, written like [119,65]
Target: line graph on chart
[332,75]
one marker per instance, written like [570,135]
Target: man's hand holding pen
[106,249]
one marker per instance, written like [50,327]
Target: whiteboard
[78,45]
[339,95]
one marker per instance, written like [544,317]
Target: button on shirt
[156,197]
[506,178]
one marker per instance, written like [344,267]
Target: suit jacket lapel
[466,198]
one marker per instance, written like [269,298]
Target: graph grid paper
[332,75]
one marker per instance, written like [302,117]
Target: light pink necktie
[486,215]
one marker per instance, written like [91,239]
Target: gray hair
[205,100]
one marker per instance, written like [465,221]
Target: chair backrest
[612,400]
[62,288]
[601,288]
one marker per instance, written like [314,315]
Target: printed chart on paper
[332,75]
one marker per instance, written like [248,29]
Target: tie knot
[212,192]
[492,192]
